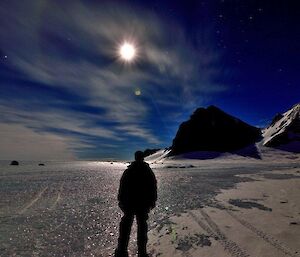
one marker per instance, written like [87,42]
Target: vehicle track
[33,201]
[264,236]
[58,197]
[213,230]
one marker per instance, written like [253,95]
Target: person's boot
[119,253]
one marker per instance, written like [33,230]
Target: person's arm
[121,192]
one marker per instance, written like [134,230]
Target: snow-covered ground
[70,208]
[256,155]
[256,218]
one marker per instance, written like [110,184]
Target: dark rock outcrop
[14,163]
[211,129]
[148,152]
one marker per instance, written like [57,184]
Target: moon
[127,51]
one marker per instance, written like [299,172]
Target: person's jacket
[138,188]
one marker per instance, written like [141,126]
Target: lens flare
[137,92]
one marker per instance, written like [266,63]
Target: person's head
[139,156]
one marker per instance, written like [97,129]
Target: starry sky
[65,93]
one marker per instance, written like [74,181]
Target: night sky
[65,93]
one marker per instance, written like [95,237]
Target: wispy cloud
[19,142]
[73,47]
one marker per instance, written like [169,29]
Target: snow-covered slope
[158,156]
[211,159]
[285,130]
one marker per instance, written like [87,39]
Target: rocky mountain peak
[211,129]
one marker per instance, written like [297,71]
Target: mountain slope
[284,130]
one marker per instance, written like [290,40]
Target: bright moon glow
[127,51]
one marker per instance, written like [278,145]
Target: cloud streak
[72,47]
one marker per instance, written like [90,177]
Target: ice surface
[70,208]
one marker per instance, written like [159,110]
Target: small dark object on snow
[283,201]
[148,152]
[14,163]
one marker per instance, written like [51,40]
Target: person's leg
[142,229]
[124,234]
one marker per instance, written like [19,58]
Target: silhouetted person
[137,196]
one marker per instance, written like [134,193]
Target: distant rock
[284,131]
[211,129]
[14,163]
[148,152]
[158,155]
